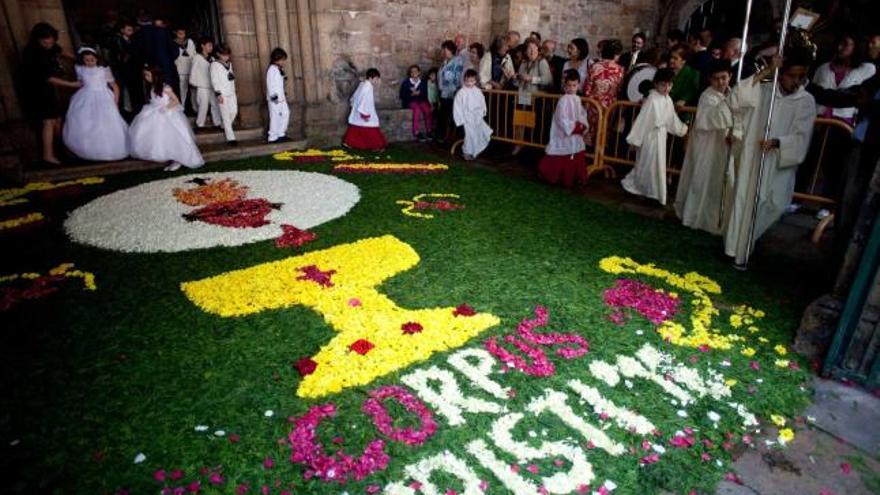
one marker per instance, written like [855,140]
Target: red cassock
[567,170]
[364,138]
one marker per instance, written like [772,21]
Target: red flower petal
[463,310]
[845,467]
[361,346]
[411,327]
[305,366]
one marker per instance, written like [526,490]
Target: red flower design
[305,366]
[361,346]
[463,310]
[241,214]
[294,237]
[411,327]
[315,274]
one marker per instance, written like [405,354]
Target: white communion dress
[161,133]
[94,129]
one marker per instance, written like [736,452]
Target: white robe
[563,141]
[362,103]
[792,125]
[279,112]
[469,110]
[655,121]
[698,200]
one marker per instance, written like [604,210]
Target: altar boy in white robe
[565,160]
[655,122]
[363,131]
[223,82]
[707,175]
[787,146]
[279,112]
[469,110]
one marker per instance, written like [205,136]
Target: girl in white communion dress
[161,133]
[94,129]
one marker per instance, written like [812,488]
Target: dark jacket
[153,45]
[406,96]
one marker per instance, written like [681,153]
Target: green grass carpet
[91,379]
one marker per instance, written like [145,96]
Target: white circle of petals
[148,218]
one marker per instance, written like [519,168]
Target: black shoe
[232,143]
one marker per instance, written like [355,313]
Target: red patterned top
[604,81]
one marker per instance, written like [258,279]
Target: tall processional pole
[760,178]
[743,47]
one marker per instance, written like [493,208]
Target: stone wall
[595,20]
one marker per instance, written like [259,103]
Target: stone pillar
[240,32]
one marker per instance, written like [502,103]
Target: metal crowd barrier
[530,126]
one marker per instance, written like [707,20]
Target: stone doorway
[91,21]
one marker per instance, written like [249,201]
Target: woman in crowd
[603,82]
[844,71]
[534,73]
[686,86]
[476,53]
[43,75]
[578,51]
[502,71]
[449,80]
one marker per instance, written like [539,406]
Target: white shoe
[468,157]
[823,214]
[792,208]
[173,166]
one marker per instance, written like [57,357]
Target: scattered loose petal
[140,458]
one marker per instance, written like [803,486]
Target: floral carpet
[319,322]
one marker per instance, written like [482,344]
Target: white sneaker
[792,208]
[468,157]
[823,214]
[173,166]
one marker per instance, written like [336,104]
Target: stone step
[210,152]
[216,136]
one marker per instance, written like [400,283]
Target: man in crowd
[556,63]
[629,59]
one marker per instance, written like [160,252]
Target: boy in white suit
[186,48]
[223,82]
[200,78]
[279,112]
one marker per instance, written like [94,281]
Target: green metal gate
[856,345]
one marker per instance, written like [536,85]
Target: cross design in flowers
[342,285]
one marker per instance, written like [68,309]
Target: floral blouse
[604,81]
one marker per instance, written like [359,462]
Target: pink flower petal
[845,467]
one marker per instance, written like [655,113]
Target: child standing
[223,82]
[363,123]
[703,186]
[200,78]
[95,130]
[433,90]
[565,161]
[469,110]
[186,51]
[160,132]
[279,112]
[414,95]
[655,121]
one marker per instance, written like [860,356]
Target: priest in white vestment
[656,120]
[469,110]
[786,147]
